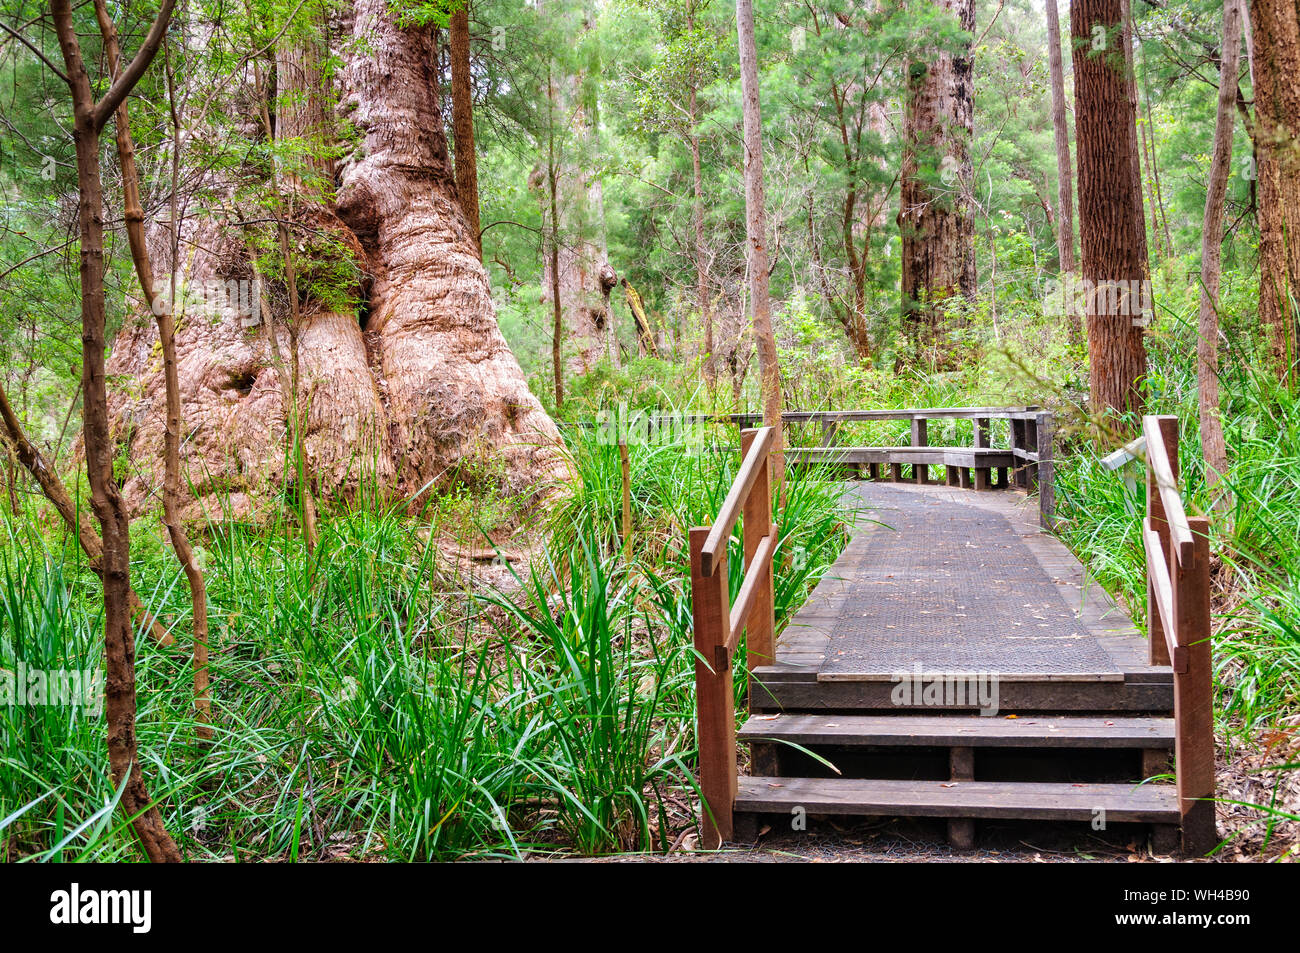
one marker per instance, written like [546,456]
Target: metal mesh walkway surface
[947,587]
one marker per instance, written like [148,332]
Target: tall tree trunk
[701,254]
[1111,227]
[1060,126]
[134,217]
[89,117]
[608,279]
[1157,192]
[937,227]
[756,232]
[1135,154]
[701,262]
[1276,27]
[1207,348]
[456,395]
[462,120]
[580,220]
[552,277]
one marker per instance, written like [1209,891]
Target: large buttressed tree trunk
[456,396]
[1276,28]
[1111,226]
[420,388]
[935,220]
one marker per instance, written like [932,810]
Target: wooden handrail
[750,468]
[1178,627]
[718,625]
[1159,460]
[1029,412]
[1162,590]
[756,569]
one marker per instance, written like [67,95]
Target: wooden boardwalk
[1044,731]
[954,566]
[955,662]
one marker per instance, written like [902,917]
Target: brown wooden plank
[961,767]
[1167,427]
[714,694]
[1046,473]
[1147,803]
[1057,731]
[752,466]
[1194,695]
[1013,697]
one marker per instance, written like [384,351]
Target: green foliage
[364,706]
[1255,529]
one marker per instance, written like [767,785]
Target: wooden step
[796,688]
[1145,803]
[971,731]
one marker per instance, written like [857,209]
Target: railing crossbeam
[1178,628]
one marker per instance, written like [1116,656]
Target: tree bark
[462,120]
[1207,348]
[937,228]
[1111,227]
[1276,28]
[644,333]
[755,235]
[578,254]
[701,266]
[552,279]
[1139,142]
[1060,126]
[134,217]
[457,398]
[410,386]
[89,117]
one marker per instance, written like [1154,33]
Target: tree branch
[128,78]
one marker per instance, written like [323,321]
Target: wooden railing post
[761,629]
[1046,473]
[1157,650]
[920,438]
[1193,693]
[1019,471]
[1031,446]
[715,728]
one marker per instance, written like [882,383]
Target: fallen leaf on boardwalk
[948,784]
[1013,716]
